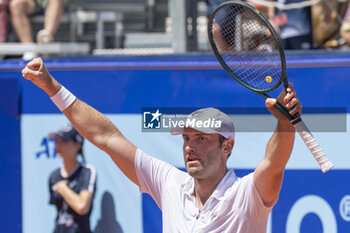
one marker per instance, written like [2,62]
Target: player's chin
[59,154]
[195,172]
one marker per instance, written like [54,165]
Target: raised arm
[90,123]
[268,175]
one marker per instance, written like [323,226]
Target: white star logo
[156,115]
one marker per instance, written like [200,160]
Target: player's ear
[228,144]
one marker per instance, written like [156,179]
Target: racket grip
[313,146]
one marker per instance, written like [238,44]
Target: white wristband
[63,99]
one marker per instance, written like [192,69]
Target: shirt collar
[226,183]
[77,166]
[188,186]
[219,192]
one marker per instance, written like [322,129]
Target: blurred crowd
[18,12]
[301,25]
[324,24]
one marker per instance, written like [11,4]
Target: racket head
[247,46]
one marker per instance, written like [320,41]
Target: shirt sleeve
[254,203]
[89,179]
[152,174]
[51,201]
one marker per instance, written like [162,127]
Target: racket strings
[258,60]
[246,46]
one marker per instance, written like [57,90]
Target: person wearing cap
[206,198]
[72,186]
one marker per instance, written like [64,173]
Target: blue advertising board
[10,165]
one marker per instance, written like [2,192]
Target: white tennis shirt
[235,206]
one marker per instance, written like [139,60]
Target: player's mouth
[192,158]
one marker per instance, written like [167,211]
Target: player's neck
[204,188]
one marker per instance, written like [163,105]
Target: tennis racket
[249,49]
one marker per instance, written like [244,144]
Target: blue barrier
[10,166]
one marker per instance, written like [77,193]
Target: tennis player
[209,197]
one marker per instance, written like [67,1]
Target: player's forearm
[51,88]
[92,124]
[280,146]
[268,175]
[100,131]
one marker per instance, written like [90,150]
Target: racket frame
[296,120]
[261,16]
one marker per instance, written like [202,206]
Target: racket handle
[313,146]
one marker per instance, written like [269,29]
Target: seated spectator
[3,20]
[325,24]
[294,26]
[21,10]
[345,28]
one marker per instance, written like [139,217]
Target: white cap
[208,120]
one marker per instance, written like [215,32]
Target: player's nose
[189,148]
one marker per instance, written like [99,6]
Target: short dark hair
[221,140]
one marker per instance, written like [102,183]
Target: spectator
[325,24]
[72,186]
[20,11]
[213,4]
[294,26]
[3,20]
[345,27]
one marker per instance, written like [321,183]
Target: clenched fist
[37,72]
